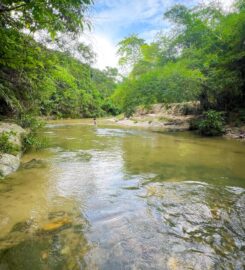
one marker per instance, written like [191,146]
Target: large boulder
[10,162]
[17,132]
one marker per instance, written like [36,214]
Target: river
[108,197]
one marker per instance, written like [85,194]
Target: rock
[83,156]
[57,214]
[56,225]
[34,163]
[8,164]
[80,156]
[17,131]
[173,263]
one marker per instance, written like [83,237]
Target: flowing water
[115,198]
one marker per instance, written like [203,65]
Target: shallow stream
[117,198]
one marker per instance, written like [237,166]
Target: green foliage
[33,142]
[39,81]
[212,124]
[6,146]
[30,121]
[109,107]
[203,60]
[170,83]
[51,83]
[129,50]
[54,16]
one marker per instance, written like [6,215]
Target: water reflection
[112,198]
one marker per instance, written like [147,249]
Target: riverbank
[173,117]
[167,117]
[10,147]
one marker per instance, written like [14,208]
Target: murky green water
[112,198]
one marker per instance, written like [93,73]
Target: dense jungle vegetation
[36,79]
[201,58]
[45,70]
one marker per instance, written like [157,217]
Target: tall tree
[129,50]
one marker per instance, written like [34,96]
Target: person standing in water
[95,123]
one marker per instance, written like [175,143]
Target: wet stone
[34,164]
[56,214]
[59,224]
[22,226]
[79,156]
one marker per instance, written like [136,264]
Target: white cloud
[104,48]
[119,18]
[106,52]
[226,4]
[115,19]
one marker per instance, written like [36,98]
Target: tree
[39,80]
[202,59]
[129,50]
[54,16]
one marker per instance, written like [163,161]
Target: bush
[6,146]
[194,123]
[31,122]
[110,108]
[32,141]
[212,124]
[129,111]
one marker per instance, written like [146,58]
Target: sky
[112,20]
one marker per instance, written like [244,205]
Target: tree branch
[6,9]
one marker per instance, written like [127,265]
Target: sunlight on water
[115,198]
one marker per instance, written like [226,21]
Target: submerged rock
[53,248]
[83,156]
[22,226]
[80,156]
[34,163]
[57,214]
[56,225]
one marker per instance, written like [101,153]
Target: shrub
[31,122]
[194,123]
[212,124]
[110,108]
[6,146]
[34,142]
[129,111]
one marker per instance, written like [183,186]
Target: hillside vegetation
[202,58]
[57,82]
